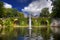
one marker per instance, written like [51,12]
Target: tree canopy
[1,9]
[9,12]
[44,12]
[56,8]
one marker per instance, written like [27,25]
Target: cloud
[36,6]
[6,5]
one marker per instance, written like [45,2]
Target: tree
[10,12]
[44,12]
[20,14]
[1,9]
[56,8]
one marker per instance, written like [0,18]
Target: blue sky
[18,4]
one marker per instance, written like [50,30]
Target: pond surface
[37,34]
[43,32]
[34,38]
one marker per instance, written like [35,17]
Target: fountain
[30,28]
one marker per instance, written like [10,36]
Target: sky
[31,6]
[18,4]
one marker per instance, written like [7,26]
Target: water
[35,38]
[20,38]
[34,35]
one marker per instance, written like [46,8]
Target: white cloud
[6,5]
[36,6]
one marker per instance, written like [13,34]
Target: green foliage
[1,26]
[9,12]
[1,22]
[35,22]
[56,8]
[20,14]
[1,9]
[8,22]
[1,4]
[23,21]
[44,12]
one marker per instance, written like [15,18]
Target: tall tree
[1,9]
[10,12]
[56,8]
[44,12]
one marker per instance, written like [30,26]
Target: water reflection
[37,38]
[38,33]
